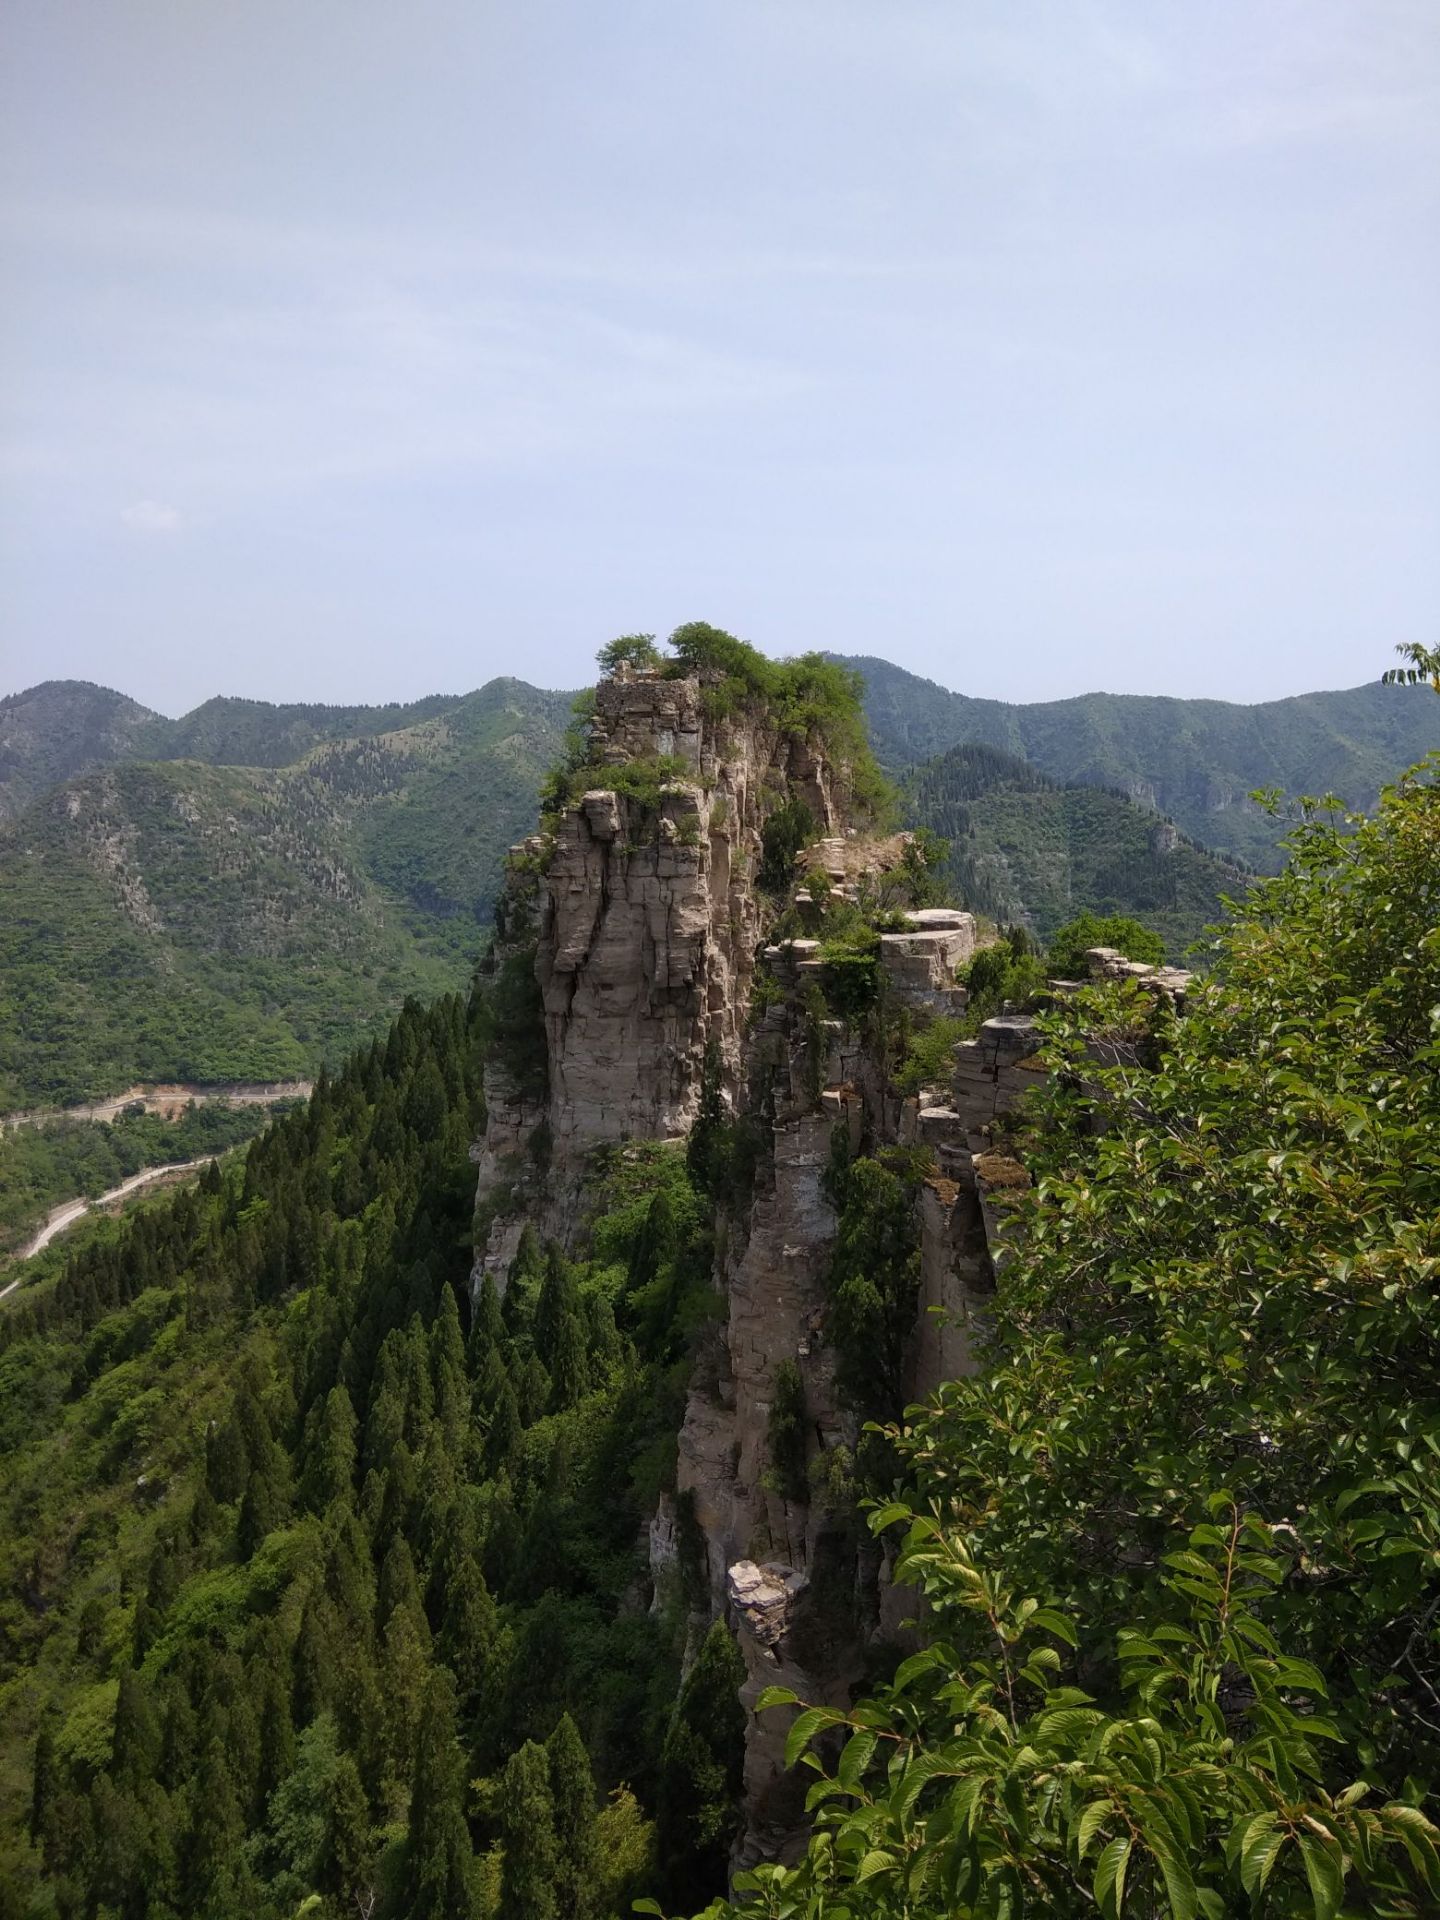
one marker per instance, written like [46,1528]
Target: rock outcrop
[637,927]
[643,916]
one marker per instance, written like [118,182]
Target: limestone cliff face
[804,1588]
[644,918]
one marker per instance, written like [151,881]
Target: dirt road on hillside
[169,1100]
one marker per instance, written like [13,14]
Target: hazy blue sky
[364,348]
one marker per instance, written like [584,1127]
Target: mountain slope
[1025,848]
[169,919]
[64,727]
[1196,760]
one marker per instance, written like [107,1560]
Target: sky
[355,350]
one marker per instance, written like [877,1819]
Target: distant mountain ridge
[60,728]
[1195,760]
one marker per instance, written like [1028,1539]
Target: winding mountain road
[73,1210]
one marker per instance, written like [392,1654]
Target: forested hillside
[1026,850]
[296,1546]
[1195,760]
[244,892]
[62,727]
[177,920]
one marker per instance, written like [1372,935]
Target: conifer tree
[425,1101]
[316,1665]
[701,1765]
[135,1740]
[399,1585]
[527,1827]
[532,1390]
[44,1779]
[217,1827]
[352,1858]
[572,1789]
[227,1464]
[467,1637]
[442,1881]
[504,1435]
[277,1728]
[569,1365]
[331,1473]
[490,1380]
[447,1367]
[405,1663]
[487,1326]
[555,1305]
[654,1245]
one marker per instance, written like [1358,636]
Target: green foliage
[209,923]
[783,834]
[1197,761]
[874,1275]
[73,1159]
[806,696]
[264,1528]
[923,869]
[1137,1696]
[850,972]
[722,1154]
[511,1022]
[1022,847]
[630,650]
[1069,944]
[1009,972]
[989,1784]
[532,1851]
[701,1770]
[786,1434]
[929,1057]
[1422,668]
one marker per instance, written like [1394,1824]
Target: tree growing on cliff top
[629,650]
[1069,944]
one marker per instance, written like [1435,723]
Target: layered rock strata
[642,913]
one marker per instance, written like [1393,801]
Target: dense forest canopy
[367,1590]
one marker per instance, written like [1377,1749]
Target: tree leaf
[854,1760]
[1325,1870]
[875,1862]
[814,1720]
[1110,1876]
[776,1697]
[1091,1821]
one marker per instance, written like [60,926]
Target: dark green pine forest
[318,1584]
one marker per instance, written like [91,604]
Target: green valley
[1027,850]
